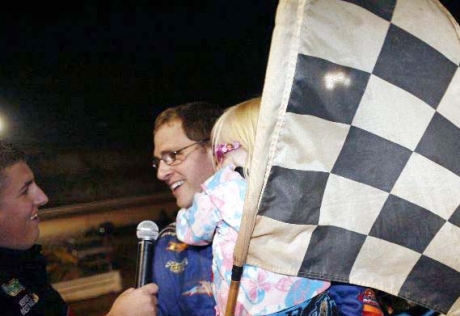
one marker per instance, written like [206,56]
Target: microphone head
[147,230]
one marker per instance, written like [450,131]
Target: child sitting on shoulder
[215,217]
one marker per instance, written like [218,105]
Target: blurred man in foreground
[183,158]
[24,284]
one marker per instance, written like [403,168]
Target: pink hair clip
[224,148]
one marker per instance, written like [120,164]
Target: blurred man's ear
[210,153]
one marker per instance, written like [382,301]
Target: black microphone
[147,233]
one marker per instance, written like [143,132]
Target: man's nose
[164,171]
[41,198]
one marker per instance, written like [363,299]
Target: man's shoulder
[173,257]
[167,240]
[169,230]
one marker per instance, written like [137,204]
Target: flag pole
[274,95]
[233,292]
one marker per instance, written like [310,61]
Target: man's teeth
[35,216]
[177,184]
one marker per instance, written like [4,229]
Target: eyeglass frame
[173,155]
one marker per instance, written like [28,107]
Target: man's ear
[210,153]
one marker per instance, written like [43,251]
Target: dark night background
[81,83]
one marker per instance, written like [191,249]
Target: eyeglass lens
[171,156]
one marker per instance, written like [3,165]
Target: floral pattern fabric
[215,217]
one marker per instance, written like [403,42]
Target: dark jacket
[24,285]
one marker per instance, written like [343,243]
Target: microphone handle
[144,262]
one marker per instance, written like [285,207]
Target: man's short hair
[197,118]
[9,155]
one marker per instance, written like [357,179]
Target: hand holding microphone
[136,302]
[147,233]
[141,301]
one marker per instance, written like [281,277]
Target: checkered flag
[356,174]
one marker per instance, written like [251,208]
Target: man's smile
[176,184]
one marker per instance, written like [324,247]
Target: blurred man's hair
[9,155]
[197,118]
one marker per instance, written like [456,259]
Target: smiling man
[24,284]
[183,158]
[190,162]
[20,198]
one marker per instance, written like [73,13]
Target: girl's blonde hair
[238,123]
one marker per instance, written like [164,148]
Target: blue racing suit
[184,277]
[354,300]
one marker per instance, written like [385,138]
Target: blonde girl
[215,217]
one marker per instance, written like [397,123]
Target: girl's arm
[197,224]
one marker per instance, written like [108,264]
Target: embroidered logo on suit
[13,287]
[24,298]
[176,267]
[176,246]
[205,287]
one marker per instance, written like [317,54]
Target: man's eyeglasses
[170,157]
